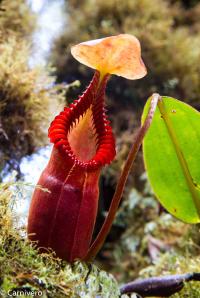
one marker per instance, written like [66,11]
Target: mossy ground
[23,268]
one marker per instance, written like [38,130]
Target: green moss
[21,266]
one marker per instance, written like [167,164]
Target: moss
[16,17]
[182,257]
[127,252]
[28,100]
[28,96]
[153,245]
[176,262]
[151,242]
[22,267]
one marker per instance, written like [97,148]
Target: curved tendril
[99,241]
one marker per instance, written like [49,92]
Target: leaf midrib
[183,163]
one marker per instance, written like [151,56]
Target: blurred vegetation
[154,243]
[184,257]
[170,38]
[16,17]
[26,94]
[23,268]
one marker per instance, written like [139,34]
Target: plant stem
[159,286]
[100,239]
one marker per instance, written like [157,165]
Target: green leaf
[172,157]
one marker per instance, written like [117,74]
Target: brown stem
[99,241]
[163,286]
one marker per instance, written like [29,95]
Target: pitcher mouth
[82,131]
